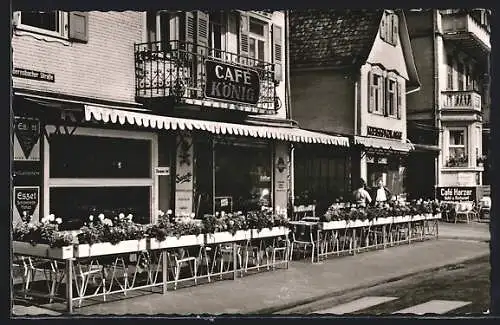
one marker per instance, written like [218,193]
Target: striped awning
[379,143]
[142,119]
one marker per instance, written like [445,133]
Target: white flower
[193,215]
[130,216]
[169,211]
[217,213]
[161,213]
[59,221]
[51,217]
[101,217]
[91,217]
[44,220]
[121,216]
[222,213]
[108,222]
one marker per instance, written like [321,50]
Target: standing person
[361,195]
[381,194]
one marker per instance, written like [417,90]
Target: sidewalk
[473,231]
[304,282]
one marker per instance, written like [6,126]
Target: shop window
[457,148]
[51,23]
[243,176]
[100,171]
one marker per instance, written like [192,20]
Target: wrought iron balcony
[461,100]
[461,26]
[178,70]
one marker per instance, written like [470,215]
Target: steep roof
[332,37]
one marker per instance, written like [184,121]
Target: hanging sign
[231,82]
[26,199]
[26,139]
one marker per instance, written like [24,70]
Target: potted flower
[226,227]
[481,160]
[273,225]
[174,232]
[104,236]
[42,239]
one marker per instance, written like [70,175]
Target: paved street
[456,290]
[302,283]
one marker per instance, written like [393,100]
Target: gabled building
[454,103]
[351,71]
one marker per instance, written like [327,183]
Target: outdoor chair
[485,207]
[465,210]
[84,271]
[224,258]
[303,242]
[178,260]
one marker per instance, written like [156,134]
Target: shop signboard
[456,193]
[33,74]
[231,82]
[384,133]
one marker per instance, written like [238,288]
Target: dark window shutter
[386,97]
[382,28]
[201,28]
[244,26]
[277,53]
[399,103]
[371,97]
[201,48]
[78,26]
[395,28]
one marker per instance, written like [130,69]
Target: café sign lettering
[455,193]
[383,133]
[230,82]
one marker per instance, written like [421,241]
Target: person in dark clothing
[381,193]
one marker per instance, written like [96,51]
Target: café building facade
[138,111]
[350,73]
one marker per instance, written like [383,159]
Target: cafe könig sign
[231,83]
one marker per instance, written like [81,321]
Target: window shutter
[395,28]
[78,26]
[244,26]
[277,53]
[399,103]
[386,97]
[371,97]
[201,48]
[189,27]
[382,28]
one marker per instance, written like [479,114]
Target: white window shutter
[382,27]
[244,28]
[277,53]
[78,26]
[371,97]
[399,100]
[395,28]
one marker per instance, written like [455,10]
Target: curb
[371,284]
[474,239]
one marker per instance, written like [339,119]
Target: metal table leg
[69,285]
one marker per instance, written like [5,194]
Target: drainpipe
[288,104]
[437,113]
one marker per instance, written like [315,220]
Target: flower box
[173,242]
[99,249]
[334,225]
[383,221]
[360,223]
[42,250]
[226,236]
[266,232]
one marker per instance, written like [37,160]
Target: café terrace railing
[177,69]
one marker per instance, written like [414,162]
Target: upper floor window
[256,40]
[389,28]
[457,148]
[72,26]
[384,93]
[52,23]
[449,81]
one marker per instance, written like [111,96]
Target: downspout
[437,113]
[288,101]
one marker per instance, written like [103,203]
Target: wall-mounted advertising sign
[456,193]
[230,82]
[383,133]
[26,139]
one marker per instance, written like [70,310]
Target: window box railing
[177,69]
[461,99]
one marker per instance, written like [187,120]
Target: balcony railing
[462,100]
[177,69]
[461,25]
